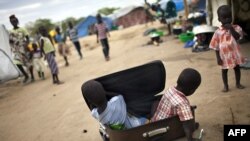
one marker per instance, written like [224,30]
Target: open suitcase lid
[138,85]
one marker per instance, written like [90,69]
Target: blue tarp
[179,4]
[83,26]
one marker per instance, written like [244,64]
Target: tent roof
[95,13]
[3,38]
[84,25]
[123,11]
[8,69]
[92,18]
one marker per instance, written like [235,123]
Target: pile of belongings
[203,35]
[246,65]
[155,35]
[197,18]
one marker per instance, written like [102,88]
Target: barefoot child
[227,49]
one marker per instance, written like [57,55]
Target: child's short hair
[70,23]
[224,8]
[99,18]
[57,28]
[34,45]
[43,30]
[98,15]
[189,79]
[12,16]
[93,90]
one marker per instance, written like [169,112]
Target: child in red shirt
[224,42]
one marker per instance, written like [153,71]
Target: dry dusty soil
[41,111]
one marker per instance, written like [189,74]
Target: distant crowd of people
[27,58]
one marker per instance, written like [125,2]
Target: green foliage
[65,23]
[79,20]
[33,27]
[107,10]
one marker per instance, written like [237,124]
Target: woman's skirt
[52,63]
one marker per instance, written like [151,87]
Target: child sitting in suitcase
[174,101]
[112,112]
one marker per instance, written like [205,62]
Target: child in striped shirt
[101,34]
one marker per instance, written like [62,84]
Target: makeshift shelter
[178,3]
[8,70]
[129,16]
[85,27]
[240,9]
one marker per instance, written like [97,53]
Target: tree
[71,19]
[79,20]
[65,23]
[107,10]
[33,27]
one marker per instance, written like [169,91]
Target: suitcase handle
[201,134]
[155,132]
[103,132]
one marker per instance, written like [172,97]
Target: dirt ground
[41,111]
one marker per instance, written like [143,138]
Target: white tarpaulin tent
[212,6]
[8,70]
[240,9]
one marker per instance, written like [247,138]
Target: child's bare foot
[239,86]
[107,58]
[32,80]
[226,89]
[67,64]
[25,80]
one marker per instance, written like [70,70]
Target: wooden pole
[186,8]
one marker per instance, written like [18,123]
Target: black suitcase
[139,86]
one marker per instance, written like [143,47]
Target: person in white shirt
[109,112]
